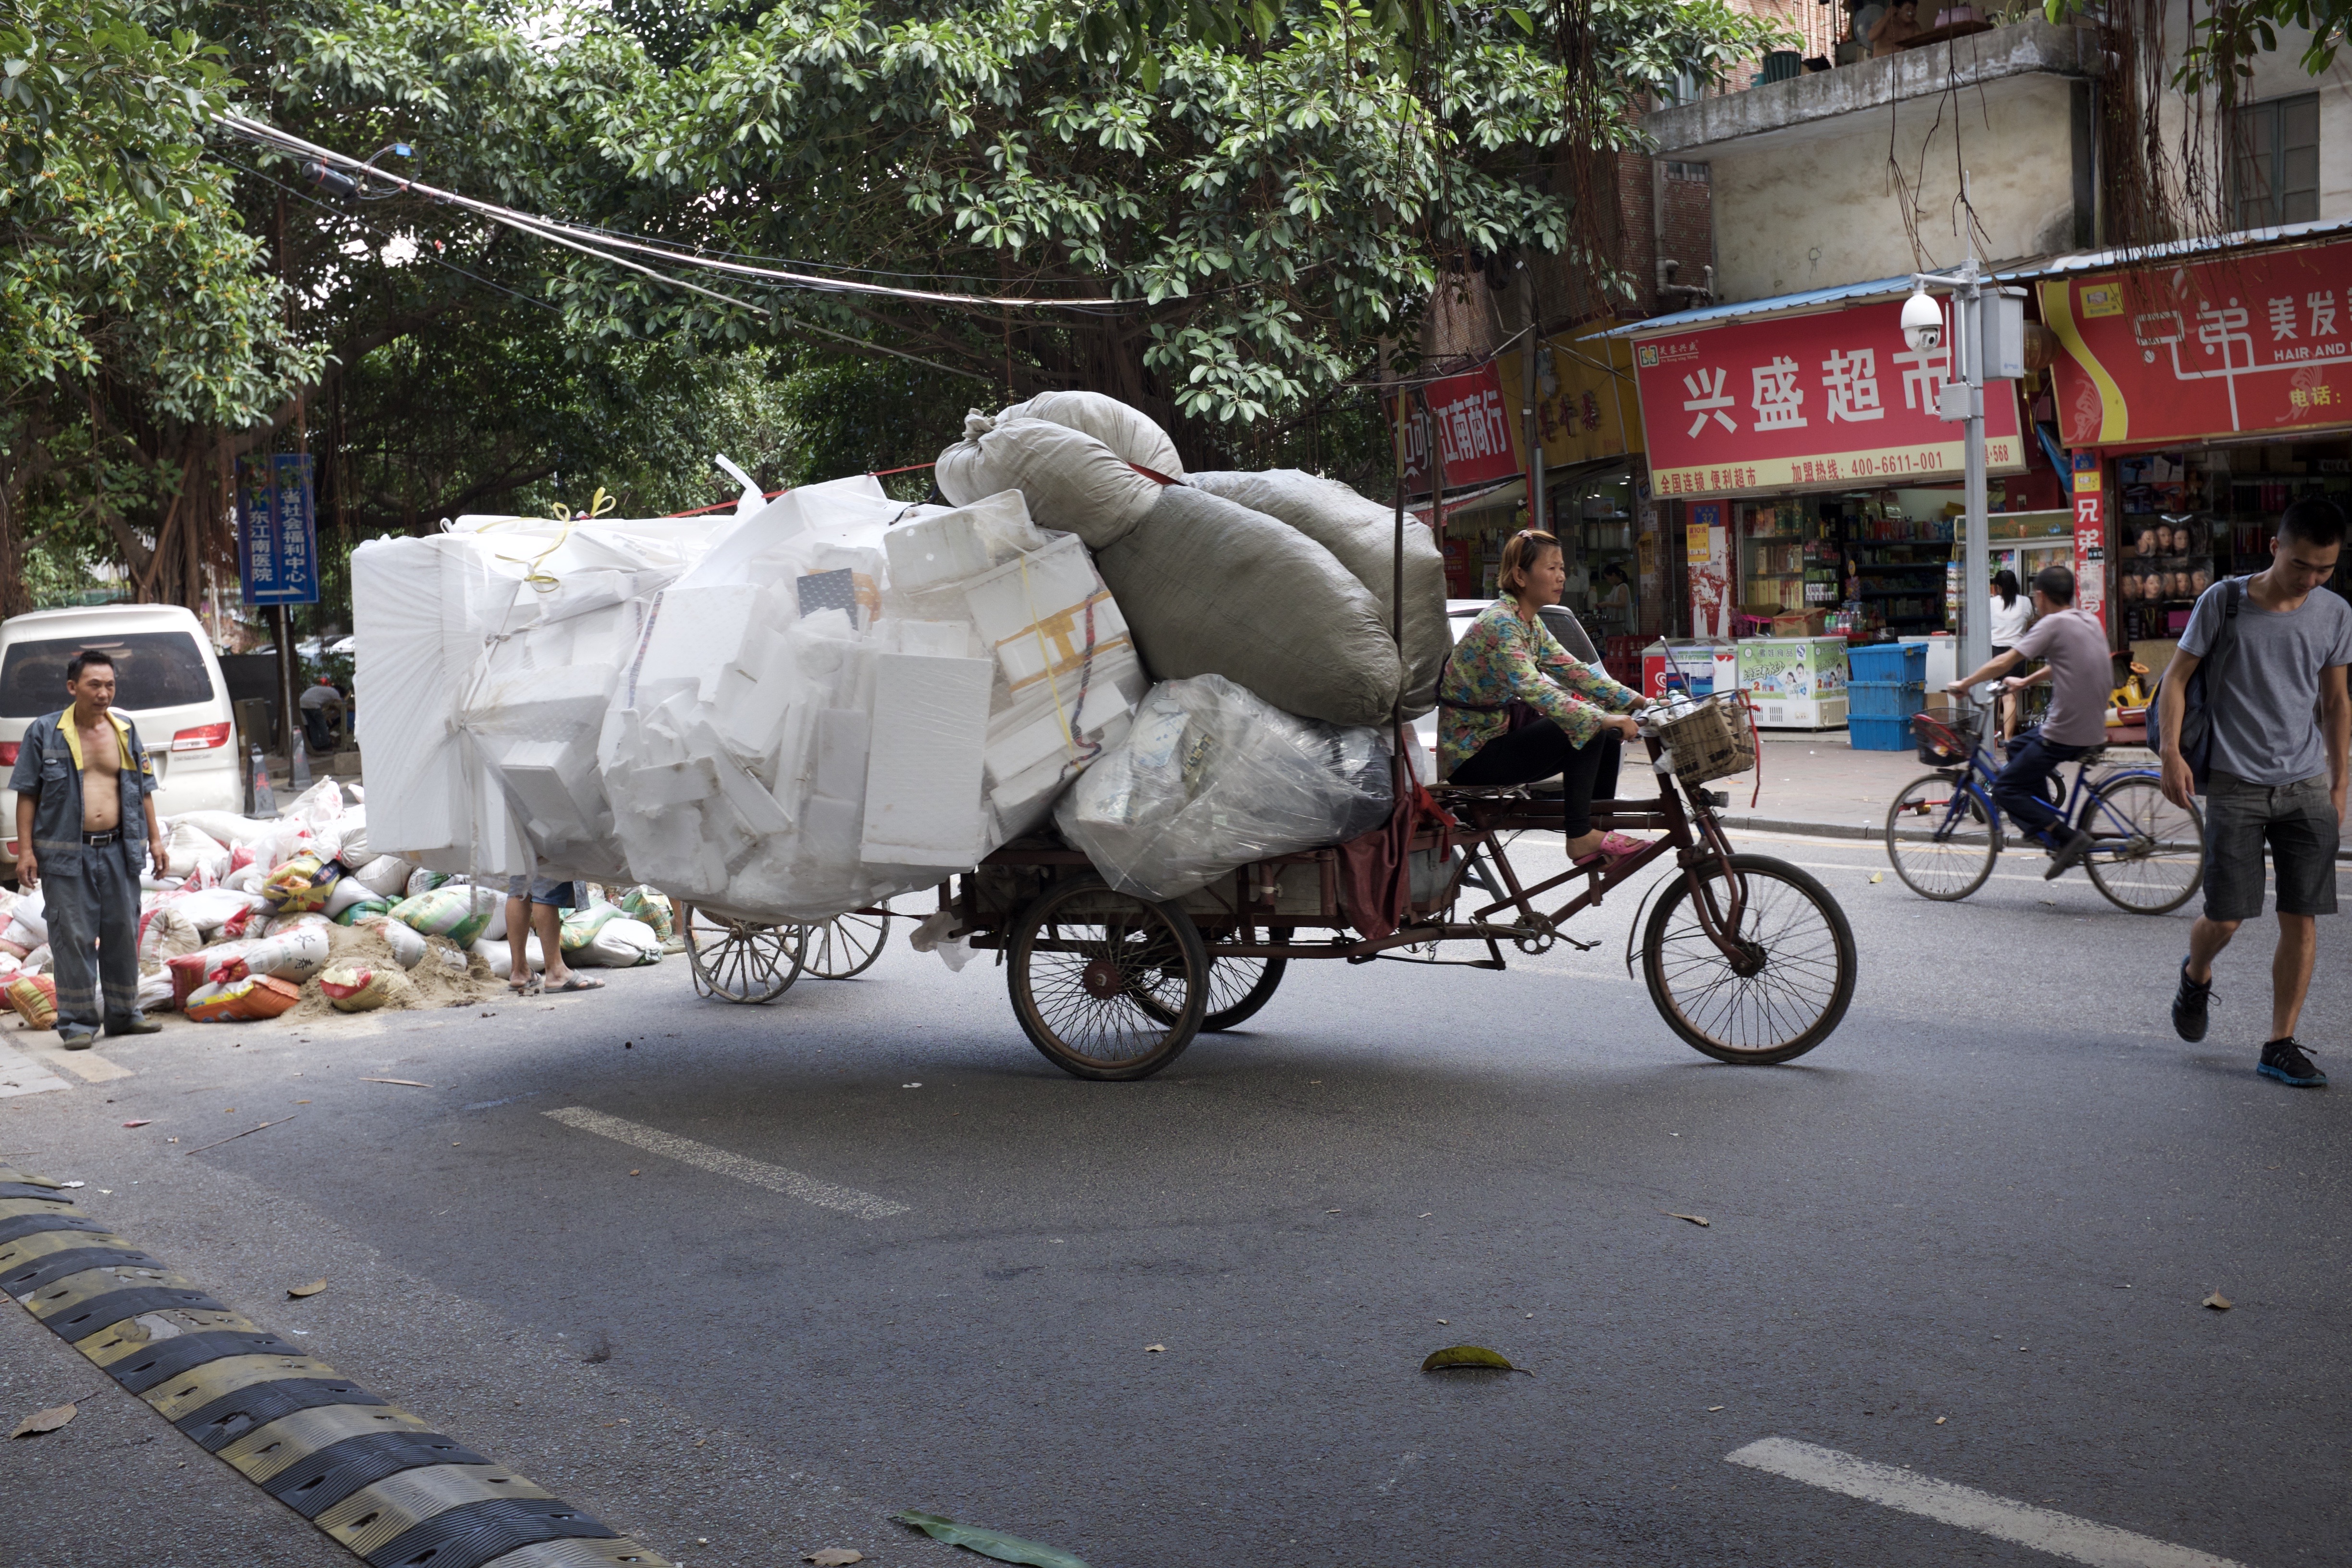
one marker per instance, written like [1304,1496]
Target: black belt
[100,840]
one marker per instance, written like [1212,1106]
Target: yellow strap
[1069,741]
[547,581]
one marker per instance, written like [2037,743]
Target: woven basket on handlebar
[1710,741]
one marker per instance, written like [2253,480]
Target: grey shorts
[2297,821]
[539,891]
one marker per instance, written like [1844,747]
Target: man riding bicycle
[2074,646]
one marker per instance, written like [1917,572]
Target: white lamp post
[1987,344]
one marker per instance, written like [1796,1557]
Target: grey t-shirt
[2074,644]
[2265,718]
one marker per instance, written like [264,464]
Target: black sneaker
[2189,1006]
[2068,855]
[2284,1060]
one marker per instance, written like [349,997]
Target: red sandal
[1615,847]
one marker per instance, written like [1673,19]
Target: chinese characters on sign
[2254,342]
[1474,430]
[1787,401]
[2090,537]
[277,533]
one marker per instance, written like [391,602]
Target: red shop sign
[1474,427]
[2247,343]
[1787,403]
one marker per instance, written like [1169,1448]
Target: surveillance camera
[1923,323]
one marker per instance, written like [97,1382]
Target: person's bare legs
[519,943]
[550,926]
[2207,938]
[2291,966]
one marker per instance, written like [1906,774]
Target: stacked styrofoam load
[828,709]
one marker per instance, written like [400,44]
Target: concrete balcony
[1827,179]
[2021,48]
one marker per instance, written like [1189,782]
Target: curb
[1843,830]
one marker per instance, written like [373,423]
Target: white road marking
[2044,1529]
[743,1167]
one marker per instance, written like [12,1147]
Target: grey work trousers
[93,915]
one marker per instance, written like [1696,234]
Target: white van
[166,681]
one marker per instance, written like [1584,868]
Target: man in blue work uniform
[85,820]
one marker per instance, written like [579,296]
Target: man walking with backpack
[2254,715]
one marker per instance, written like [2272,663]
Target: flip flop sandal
[1614,847]
[575,982]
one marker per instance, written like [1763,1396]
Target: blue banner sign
[277,529]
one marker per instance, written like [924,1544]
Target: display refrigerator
[1795,683]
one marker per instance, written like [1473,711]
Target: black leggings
[1587,773]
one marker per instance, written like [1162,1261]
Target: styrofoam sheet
[924,763]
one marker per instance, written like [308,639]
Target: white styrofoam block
[937,549]
[923,805]
[698,633]
[555,783]
[935,639]
[841,745]
[760,814]
[749,712]
[830,833]
[1011,597]
[669,784]
[1015,747]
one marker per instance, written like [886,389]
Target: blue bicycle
[1944,832]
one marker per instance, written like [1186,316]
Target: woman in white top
[2010,613]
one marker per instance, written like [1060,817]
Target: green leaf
[1469,1358]
[1526,23]
[987,1542]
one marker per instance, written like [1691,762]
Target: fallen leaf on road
[41,1421]
[1469,1358]
[633,1173]
[1713,1408]
[144,1122]
[1878,875]
[1154,1350]
[1939,1421]
[2218,1302]
[832,1557]
[404,1082]
[987,1542]
[297,1291]
[1697,1219]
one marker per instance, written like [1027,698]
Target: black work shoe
[2284,1060]
[2189,1004]
[2068,855]
[79,1040]
[143,1026]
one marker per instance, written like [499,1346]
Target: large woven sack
[294,955]
[1209,588]
[361,987]
[1071,482]
[1132,435]
[238,1001]
[1361,534]
[34,998]
[386,876]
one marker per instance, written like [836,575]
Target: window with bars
[2275,161]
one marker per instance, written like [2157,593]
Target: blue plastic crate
[1879,734]
[1895,662]
[1884,698]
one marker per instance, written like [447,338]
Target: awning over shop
[1487,498]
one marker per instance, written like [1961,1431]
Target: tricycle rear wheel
[1107,985]
[1238,987]
[1786,992]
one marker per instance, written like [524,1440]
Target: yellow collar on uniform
[73,737]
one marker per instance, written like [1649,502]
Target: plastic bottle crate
[1890,662]
[1868,732]
[1884,698]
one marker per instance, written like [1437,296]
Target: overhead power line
[601,244]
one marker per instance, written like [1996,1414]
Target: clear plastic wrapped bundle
[1211,777]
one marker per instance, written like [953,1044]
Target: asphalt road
[1969,1236]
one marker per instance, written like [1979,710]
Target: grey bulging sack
[1209,588]
[1361,533]
[1072,482]
[1132,435]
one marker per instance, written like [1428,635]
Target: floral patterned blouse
[1501,658]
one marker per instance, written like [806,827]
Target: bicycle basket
[1948,739]
[1710,739]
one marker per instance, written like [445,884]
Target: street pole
[1976,605]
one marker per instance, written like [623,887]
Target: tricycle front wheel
[1786,985]
[1107,985]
